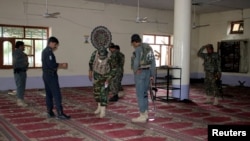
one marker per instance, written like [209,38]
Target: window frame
[14,39]
[233,23]
[168,45]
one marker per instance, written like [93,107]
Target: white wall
[79,18]
[217,31]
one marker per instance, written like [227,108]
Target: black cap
[135,38]
[19,43]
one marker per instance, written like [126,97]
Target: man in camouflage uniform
[212,67]
[122,62]
[102,67]
[116,81]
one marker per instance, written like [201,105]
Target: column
[181,49]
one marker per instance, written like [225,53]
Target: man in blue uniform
[20,66]
[50,78]
[143,73]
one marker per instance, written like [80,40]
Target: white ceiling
[203,6]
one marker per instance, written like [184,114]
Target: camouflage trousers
[115,84]
[211,87]
[100,92]
[120,82]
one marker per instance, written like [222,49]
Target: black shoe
[51,114]
[63,116]
[115,98]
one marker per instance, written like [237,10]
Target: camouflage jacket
[121,60]
[212,62]
[112,61]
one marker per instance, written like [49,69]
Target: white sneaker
[142,118]
[21,102]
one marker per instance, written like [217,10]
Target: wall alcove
[234,55]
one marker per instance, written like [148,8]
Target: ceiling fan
[50,15]
[138,18]
[194,26]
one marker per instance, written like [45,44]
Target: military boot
[103,111]
[208,100]
[114,98]
[98,110]
[216,101]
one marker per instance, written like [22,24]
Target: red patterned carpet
[174,121]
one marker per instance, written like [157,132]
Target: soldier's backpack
[147,55]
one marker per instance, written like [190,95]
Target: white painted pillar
[181,49]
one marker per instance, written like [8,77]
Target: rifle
[152,92]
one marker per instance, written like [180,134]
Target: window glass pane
[28,47]
[13,32]
[162,40]
[150,39]
[1,31]
[241,28]
[236,27]
[7,53]
[35,33]
[40,45]
[156,49]
[31,61]
[164,55]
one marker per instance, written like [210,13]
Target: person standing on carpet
[102,68]
[117,47]
[143,66]
[20,66]
[115,83]
[50,79]
[212,67]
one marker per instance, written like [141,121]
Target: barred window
[34,38]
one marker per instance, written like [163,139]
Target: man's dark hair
[117,47]
[19,43]
[135,38]
[210,46]
[112,45]
[53,40]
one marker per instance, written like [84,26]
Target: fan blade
[55,13]
[48,15]
[198,26]
[199,3]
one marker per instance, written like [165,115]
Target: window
[162,48]
[237,27]
[34,38]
